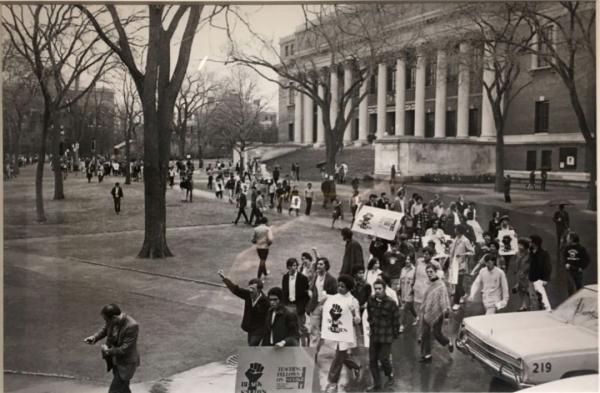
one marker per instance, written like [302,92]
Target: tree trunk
[39,172]
[181,135]
[156,149]
[56,158]
[591,165]
[499,184]
[127,156]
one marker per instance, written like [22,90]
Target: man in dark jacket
[540,267]
[562,223]
[353,254]
[281,329]
[120,351]
[576,259]
[256,306]
[295,295]
[117,194]
[507,182]
[384,323]
[242,202]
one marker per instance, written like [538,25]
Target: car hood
[529,333]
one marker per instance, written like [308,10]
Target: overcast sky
[271,21]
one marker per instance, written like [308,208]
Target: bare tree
[60,48]
[496,34]
[190,99]
[129,112]
[356,36]
[564,41]
[158,86]
[236,113]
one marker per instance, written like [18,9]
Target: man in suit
[242,202]
[322,285]
[281,328]
[117,194]
[295,296]
[120,351]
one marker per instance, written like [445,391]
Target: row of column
[303,129]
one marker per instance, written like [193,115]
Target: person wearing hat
[343,303]
[256,306]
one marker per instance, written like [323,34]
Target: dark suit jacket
[301,291]
[114,193]
[253,320]
[121,339]
[329,286]
[353,256]
[284,327]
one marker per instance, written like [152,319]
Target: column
[462,107]
[297,116]
[381,99]
[440,95]
[363,113]
[400,95]
[420,97]
[348,108]
[488,126]
[320,126]
[308,119]
[334,95]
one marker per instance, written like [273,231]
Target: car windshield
[581,309]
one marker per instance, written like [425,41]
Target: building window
[545,40]
[373,84]
[391,80]
[531,163]
[567,158]
[542,113]
[409,122]
[547,160]
[451,123]
[291,132]
[452,74]
[430,74]
[292,49]
[411,75]
[473,122]
[429,124]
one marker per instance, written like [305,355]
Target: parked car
[583,383]
[531,348]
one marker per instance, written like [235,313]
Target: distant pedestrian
[117,194]
[242,203]
[256,306]
[262,238]
[562,223]
[337,212]
[281,325]
[384,326]
[297,172]
[576,259]
[393,175]
[309,194]
[100,173]
[531,184]
[507,182]
[120,351]
[171,177]
[355,183]
[544,177]
[321,286]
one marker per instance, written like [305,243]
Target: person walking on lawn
[117,194]
[256,306]
[262,238]
[242,202]
[562,223]
[384,326]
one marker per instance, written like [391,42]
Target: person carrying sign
[341,313]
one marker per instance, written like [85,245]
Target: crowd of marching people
[441,259]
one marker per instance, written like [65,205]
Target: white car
[531,348]
[584,383]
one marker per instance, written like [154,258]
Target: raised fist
[336,314]
[254,372]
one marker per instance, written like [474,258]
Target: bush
[438,178]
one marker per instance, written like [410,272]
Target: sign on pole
[377,222]
[272,370]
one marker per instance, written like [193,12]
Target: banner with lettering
[377,222]
[336,323]
[272,370]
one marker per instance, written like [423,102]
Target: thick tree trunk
[591,165]
[156,162]
[39,172]
[56,158]
[499,183]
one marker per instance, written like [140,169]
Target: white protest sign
[295,203]
[509,248]
[272,370]
[377,222]
[337,324]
